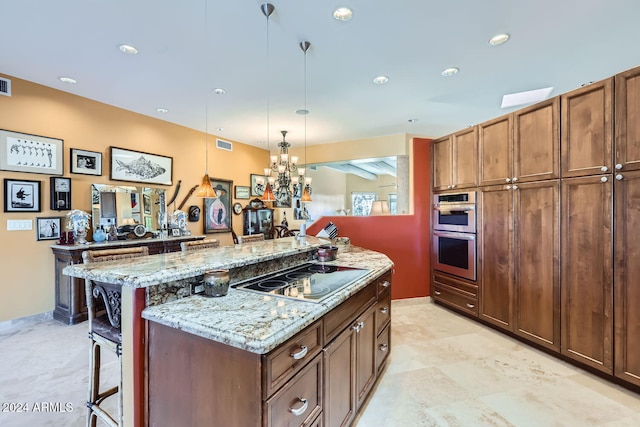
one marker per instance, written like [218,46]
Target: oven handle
[449,208]
[462,236]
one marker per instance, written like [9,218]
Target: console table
[71,306]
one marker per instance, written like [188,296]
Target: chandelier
[287,173]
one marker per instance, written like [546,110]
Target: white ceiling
[183,56]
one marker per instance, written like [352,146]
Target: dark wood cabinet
[495,256]
[455,164]
[587,130]
[340,375]
[627,276]
[71,306]
[536,142]
[456,293]
[495,151]
[627,120]
[587,276]
[537,262]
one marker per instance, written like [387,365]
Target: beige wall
[27,284]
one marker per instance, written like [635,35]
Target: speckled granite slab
[164,268]
[259,323]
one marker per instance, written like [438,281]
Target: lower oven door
[455,253]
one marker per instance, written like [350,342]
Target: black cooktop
[309,282]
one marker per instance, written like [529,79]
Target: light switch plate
[19,224]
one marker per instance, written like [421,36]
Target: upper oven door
[459,217]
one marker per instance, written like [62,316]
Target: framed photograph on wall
[258,184]
[146,203]
[242,192]
[48,228]
[137,166]
[85,162]
[21,195]
[217,210]
[22,152]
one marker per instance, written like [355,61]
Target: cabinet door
[537,269]
[442,163]
[587,128]
[627,151]
[365,354]
[495,151]
[465,158]
[536,142]
[339,377]
[627,277]
[496,256]
[587,318]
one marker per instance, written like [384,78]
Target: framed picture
[48,228]
[21,195]
[86,162]
[22,152]
[60,193]
[137,166]
[217,211]
[146,203]
[135,203]
[242,192]
[257,185]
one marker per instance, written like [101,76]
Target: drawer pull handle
[302,353]
[384,347]
[385,284]
[384,310]
[470,305]
[299,411]
[358,326]
[437,292]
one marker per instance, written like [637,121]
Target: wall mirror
[127,205]
[362,187]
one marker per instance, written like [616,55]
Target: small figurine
[284,221]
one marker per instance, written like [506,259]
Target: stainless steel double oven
[454,234]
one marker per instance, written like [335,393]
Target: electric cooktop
[310,282]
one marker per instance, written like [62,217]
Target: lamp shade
[205,189]
[268,195]
[379,207]
[306,196]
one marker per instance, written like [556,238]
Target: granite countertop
[259,323]
[164,268]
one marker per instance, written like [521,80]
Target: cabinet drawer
[384,284]
[341,316]
[383,347]
[468,289]
[453,297]
[383,312]
[283,362]
[299,402]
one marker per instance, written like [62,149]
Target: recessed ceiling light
[302,112]
[342,14]
[499,39]
[128,49]
[219,91]
[452,71]
[162,110]
[528,97]
[68,80]
[219,129]
[380,80]
[412,120]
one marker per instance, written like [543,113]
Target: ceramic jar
[216,283]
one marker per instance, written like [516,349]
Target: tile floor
[444,370]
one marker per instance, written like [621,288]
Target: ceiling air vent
[224,145]
[5,87]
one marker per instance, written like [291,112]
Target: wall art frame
[139,166]
[85,162]
[217,211]
[242,192]
[257,185]
[23,152]
[21,195]
[48,228]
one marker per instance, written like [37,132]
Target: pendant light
[205,189]
[306,195]
[268,196]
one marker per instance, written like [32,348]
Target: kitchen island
[201,358]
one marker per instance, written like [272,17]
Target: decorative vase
[80,236]
[99,235]
[216,283]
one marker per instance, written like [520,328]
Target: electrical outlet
[19,224]
[197,287]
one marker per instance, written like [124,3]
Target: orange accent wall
[403,238]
